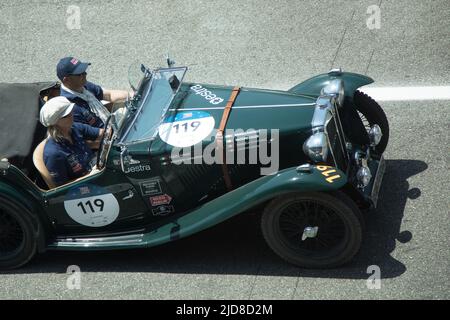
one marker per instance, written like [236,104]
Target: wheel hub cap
[310,232]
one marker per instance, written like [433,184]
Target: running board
[98,243]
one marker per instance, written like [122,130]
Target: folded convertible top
[19,115]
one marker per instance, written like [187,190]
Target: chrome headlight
[316,147]
[364,176]
[375,135]
[336,89]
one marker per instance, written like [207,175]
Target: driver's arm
[115,96]
[91,134]
[95,144]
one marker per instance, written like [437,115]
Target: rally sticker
[160,200]
[91,206]
[150,187]
[186,128]
[163,210]
[329,172]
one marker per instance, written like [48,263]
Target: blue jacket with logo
[81,111]
[66,161]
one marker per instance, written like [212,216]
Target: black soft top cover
[19,115]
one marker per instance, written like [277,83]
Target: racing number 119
[99,203]
[193,124]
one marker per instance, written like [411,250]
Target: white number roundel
[89,206]
[186,128]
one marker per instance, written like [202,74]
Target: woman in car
[67,156]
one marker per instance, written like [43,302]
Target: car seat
[38,160]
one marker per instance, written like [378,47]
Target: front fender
[313,86]
[320,178]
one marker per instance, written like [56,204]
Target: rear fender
[313,86]
[17,188]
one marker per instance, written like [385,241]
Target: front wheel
[313,230]
[371,113]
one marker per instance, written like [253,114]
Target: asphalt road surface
[267,44]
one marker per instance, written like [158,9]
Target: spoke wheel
[371,113]
[364,120]
[296,217]
[313,230]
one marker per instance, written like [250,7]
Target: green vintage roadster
[182,157]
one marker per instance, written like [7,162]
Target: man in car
[67,156]
[85,95]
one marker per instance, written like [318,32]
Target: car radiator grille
[337,144]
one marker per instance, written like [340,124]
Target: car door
[103,203]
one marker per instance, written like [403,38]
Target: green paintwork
[231,204]
[257,109]
[16,180]
[7,190]
[193,185]
[17,186]
[198,194]
[313,86]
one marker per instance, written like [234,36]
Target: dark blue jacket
[81,111]
[66,161]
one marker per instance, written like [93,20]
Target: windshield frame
[142,102]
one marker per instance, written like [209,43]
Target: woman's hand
[95,144]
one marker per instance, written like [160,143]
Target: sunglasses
[79,75]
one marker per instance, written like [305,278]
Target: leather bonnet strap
[219,136]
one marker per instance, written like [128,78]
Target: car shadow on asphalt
[237,247]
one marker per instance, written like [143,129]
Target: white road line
[408,93]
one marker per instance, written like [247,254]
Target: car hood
[252,109]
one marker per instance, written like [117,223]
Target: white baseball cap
[55,109]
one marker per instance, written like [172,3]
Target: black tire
[338,238]
[371,113]
[18,240]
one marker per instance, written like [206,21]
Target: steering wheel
[103,152]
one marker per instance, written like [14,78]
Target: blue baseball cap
[70,66]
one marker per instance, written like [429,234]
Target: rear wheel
[17,237]
[371,113]
[313,230]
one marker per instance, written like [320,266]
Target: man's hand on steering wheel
[102,152]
